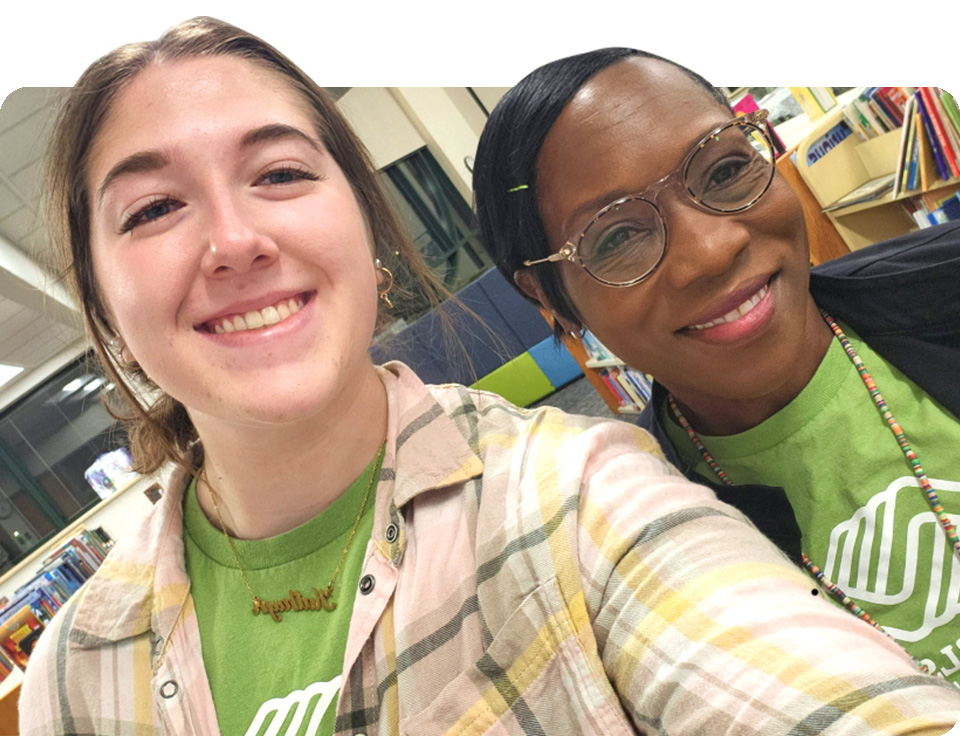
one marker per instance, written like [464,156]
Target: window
[48,439]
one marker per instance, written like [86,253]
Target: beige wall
[381,124]
[393,122]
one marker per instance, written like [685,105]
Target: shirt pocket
[536,677]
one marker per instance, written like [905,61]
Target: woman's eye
[153,211]
[286,175]
[622,237]
[726,172]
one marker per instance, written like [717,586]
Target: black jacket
[902,296]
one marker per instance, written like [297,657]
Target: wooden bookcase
[847,166]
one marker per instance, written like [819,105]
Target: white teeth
[256,319]
[270,315]
[734,314]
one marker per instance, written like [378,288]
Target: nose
[234,242]
[701,245]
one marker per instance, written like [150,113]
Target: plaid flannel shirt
[545,574]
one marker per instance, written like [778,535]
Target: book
[903,156]
[19,633]
[950,132]
[931,136]
[873,189]
[808,102]
[950,108]
[930,103]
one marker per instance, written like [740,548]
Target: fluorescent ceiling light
[93,385]
[74,384]
[7,372]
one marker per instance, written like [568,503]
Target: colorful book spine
[931,101]
[950,108]
[938,155]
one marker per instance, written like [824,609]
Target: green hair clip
[518,188]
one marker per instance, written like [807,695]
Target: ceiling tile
[19,225]
[8,201]
[26,102]
[19,147]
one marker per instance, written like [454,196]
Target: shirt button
[169,689]
[366,584]
[393,531]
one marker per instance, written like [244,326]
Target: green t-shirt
[260,670]
[865,520]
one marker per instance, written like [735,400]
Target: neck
[272,479]
[721,415]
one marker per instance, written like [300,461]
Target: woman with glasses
[341,549]
[618,190]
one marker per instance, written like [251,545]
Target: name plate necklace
[296,601]
[911,457]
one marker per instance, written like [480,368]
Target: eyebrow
[591,207]
[145,161]
[134,164]
[276,131]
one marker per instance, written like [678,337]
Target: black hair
[509,221]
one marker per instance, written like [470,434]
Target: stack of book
[64,571]
[877,110]
[631,387]
[930,142]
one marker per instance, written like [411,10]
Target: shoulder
[49,696]
[915,253]
[584,473]
[488,420]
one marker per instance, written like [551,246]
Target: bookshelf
[854,162]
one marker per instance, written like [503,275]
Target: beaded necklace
[911,457]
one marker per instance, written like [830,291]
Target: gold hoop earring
[388,275]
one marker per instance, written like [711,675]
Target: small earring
[388,275]
[127,361]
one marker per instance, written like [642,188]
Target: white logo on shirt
[856,539]
[280,708]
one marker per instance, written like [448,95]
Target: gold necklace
[296,601]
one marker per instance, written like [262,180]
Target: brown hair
[160,430]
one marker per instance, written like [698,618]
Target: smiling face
[727,313]
[229,249]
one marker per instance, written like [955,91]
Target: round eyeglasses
[726,172]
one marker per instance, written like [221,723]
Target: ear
[530,285]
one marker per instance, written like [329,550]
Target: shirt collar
[143,585]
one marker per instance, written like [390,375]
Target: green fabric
[251,660]
[864,519]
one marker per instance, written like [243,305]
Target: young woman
[618,190]
[342,549]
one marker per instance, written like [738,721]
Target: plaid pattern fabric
[547,574]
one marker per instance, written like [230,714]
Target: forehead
[627,127]
[166,103]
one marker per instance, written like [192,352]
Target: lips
[246,320]
[741,310]
[740,315]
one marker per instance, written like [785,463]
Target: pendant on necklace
[296,601]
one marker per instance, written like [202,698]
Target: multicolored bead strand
[912,460]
